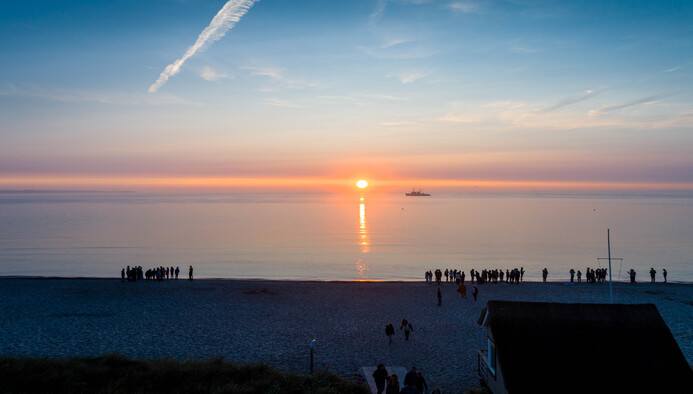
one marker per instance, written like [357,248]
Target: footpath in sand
[274,322]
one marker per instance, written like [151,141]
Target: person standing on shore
[632,276]
[544,274]
[522,274]
[572,275]
[190,273]
[664,274]
[652,275]
[390,332]
[407,328]
[439,297]
[177,272]
[380,376]
[122,275]
[579,276]
[475,292]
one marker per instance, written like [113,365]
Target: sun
[362,184]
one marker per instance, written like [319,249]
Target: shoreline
[273,321]
[105,278]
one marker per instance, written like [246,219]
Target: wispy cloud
[465,7]
[270,72]
[225,19]
[587,94]
[282,103]
[409,77]
[208,74]
[630,104]
[377,12]
[671,70]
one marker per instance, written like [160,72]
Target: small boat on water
[415,192]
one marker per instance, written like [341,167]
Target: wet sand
[274,321]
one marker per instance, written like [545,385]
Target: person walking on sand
[462,289]
[544,274]
[652,275]
[407,328]
[475,292]
[390,332]
[380,376]
[190,273]
[664,274]
[439,297]
[420,382]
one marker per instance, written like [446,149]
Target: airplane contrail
[225,19]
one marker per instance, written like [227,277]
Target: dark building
[541,347]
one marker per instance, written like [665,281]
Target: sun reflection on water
[361,266]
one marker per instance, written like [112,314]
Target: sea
[343,236]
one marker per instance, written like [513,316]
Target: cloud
[210,75]
[630,104]
[282,103]
[677,68]
[410,77]
[270,72]
[465,7]
[223,21]
[377,12]
[570,101]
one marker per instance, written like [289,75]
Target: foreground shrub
[119,374]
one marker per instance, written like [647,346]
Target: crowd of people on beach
[484,276]
[157,274]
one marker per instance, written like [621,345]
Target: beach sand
[274,321]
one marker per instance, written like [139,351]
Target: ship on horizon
[415,192]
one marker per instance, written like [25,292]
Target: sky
[516,93]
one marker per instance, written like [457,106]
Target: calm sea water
[346,237]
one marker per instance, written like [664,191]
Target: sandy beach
[274,321]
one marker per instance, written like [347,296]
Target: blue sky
[531,91]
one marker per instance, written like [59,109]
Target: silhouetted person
[664,274]
[544,274]
[440,296]
[190,273]
[475,292]
[410,377]
[380,376]
[122,275]
[632,275]
[392,385]
[177,272]
[522,273]
[389,331]
[572,275]
[407,328]
[420,382]
[652,275]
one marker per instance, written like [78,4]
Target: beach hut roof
[544,347]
